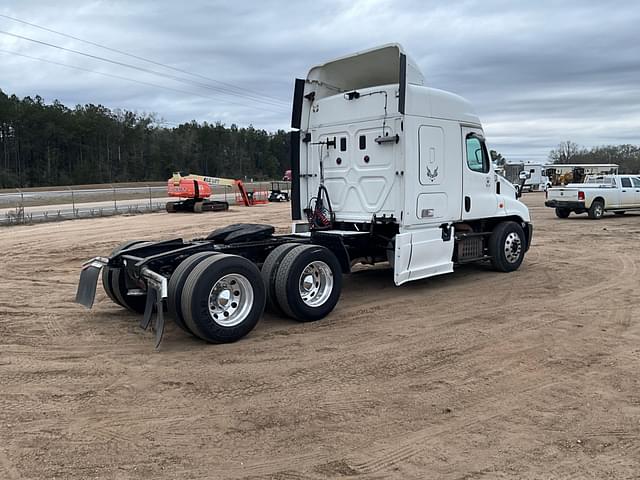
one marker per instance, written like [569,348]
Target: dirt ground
[476,374]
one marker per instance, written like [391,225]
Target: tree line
[50,144]
[627,156]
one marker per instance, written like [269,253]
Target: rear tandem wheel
[114,282]
[223,298]
[269,272]
[308,283]
[176,285]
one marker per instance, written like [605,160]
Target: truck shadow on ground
[356,293]
[606,216]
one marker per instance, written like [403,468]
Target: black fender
[336,245]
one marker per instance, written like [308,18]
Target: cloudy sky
[538,72]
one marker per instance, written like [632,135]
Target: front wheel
[596,211]
[507,246]
[563,212]
[308,283]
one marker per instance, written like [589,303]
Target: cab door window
[477,158]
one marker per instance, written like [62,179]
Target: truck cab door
[479,199]
[628,195]
[636,188]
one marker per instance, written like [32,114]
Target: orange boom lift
[195,190]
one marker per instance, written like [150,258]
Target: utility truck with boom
[384,169]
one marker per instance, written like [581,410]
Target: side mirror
[524,176]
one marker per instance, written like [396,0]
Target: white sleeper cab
[384,169]
[405,160]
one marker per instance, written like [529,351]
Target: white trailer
[536,179]
[564,173]
[384,169]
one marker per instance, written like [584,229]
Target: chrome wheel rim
[230,300]
[315,284]
[512,247]
[598,210]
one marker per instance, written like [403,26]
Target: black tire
[176,286]
[563,212]
[507,245]
[198,287]
[269,272]
[289,277]
[120,285]
[619,212]
[109,272]
[596,210]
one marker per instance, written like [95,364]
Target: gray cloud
[537,73]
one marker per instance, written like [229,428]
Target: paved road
[95,209]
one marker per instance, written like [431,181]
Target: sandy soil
[476,374]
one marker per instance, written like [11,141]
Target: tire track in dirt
[7,468]
[406,449]
[54,328]
[342,370]
[386,459]
[371,459]
[273,467]
[374,460]
[423,361]
[121,428]
[283,475]
[106,434]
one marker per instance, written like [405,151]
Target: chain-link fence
[33,206]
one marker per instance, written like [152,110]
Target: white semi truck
[384,169]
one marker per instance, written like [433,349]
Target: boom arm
[213,181]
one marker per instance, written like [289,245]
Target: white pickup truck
[598,194]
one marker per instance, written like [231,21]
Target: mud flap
[156,293]
[148,308]
[159,324]
[86,293]
[154,303]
